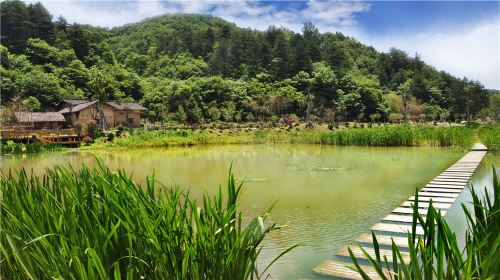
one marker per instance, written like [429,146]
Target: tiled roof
[39,117]
[126,106]
[77,107]
[74,102]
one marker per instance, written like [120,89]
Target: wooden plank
[442,190]
[465,169]
[341,269]
[409,211]
[447,186]
[434,199]
[459,180]
[399,218]
[426,205]
[382,239]
[371,252]
[396,228]
[458,176]
[448,183]
[438,194]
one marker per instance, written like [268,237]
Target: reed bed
[490,136]
[95,223]
[436,254]
[401,135]
[390,135]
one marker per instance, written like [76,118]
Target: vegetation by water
[96,223]
[195,69]
[436,254]
[490,136]
[9,147]
[381,135]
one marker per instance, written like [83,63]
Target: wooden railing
[68,136]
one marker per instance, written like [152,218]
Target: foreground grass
[95,223]
[436,254]
[391,135]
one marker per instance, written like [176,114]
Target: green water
[325,195]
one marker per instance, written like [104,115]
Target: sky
[459,37]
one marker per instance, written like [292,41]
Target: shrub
[87,140]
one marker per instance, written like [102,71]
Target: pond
[325,196]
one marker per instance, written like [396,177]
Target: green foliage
[90,223]
[35,147]
[31,104]
[392,135]
[193,61]
[401,135]
[436,254]
[490,136]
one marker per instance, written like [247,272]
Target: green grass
[96,223]
[436,254]
[391,135]
[401,135]
[35,147]
[490,136]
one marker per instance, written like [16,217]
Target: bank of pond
[380,135]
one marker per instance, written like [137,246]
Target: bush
[87,140]
[110,136]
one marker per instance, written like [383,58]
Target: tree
[313,40]
[31,104]
[280,57]
[404,90]
[44,86]
[99,87]
[15,25]
[41,23]
[350,104]
[304,83]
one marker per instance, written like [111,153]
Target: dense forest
[198,68]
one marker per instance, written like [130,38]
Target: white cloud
[473,52]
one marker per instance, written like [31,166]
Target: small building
[40,120]
[84,114]
[127,114]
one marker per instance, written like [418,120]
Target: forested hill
[196,68]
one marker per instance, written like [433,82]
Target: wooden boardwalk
[443,190]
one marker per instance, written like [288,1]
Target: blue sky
[460,37]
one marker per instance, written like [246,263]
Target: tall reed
[490,136]
[401,135]
[390,135]
[96,223]
[436,254]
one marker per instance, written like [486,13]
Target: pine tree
[15,23]
[41,23]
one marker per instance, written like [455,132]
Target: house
[83,114]
[128,114]
[40,120]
